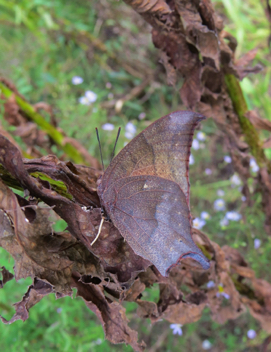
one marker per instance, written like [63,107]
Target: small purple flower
[130,127]
[251,334]
[253,165]
[206,345]
[208,171]
[219,204]
[191,160]
[108,127]
[198,223]
[210,284]
[108,85]
[243,198]
[195,144]
[223,294]
[91,96]
[233,216]
[227,159]
[130,130]
[128,135]
[177,329]
[201,136]
[59,310]
[220,192]
[142,115]
[84,101]
[204,215]
[224,222]
[77,80]
[257,243]
[98,341]
[235,180]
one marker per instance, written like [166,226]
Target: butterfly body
[145,192]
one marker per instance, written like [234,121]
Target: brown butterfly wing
[162,150]
[151,213]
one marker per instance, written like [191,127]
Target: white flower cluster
[219,204]
[77,80]
[130,130]
[227,159]
[108,127]
[177,329]
[230,216]
[200,137]
[220,292]
[89,98]
[253,165]
[198,223]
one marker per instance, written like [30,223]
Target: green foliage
[40,52]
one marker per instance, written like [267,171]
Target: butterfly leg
[99,231]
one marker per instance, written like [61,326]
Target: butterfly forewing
[162,149]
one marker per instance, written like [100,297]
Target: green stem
[12,182]
[240,106]
[56,136]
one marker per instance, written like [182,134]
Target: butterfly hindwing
[152,215]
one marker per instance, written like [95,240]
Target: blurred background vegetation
[45,46]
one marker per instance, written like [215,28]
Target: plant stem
[56,136]
[240,106]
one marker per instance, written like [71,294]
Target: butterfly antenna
[97,133]
[113,153]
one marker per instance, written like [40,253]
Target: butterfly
[145,192]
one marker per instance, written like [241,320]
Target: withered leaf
[34,294]
[184,312]
[111,314]
[147,309]
[203,38]
[257,121]
[83,222]
[6,276]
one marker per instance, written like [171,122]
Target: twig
[240,106]
[159,341]
[56,136]
[99,231]
[118,103]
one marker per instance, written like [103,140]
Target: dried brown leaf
[147,309]
[6,276]
[111,314]
[242,65]
[34,294]
[257,121]
[199,35]
[170,70]
[184,312]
